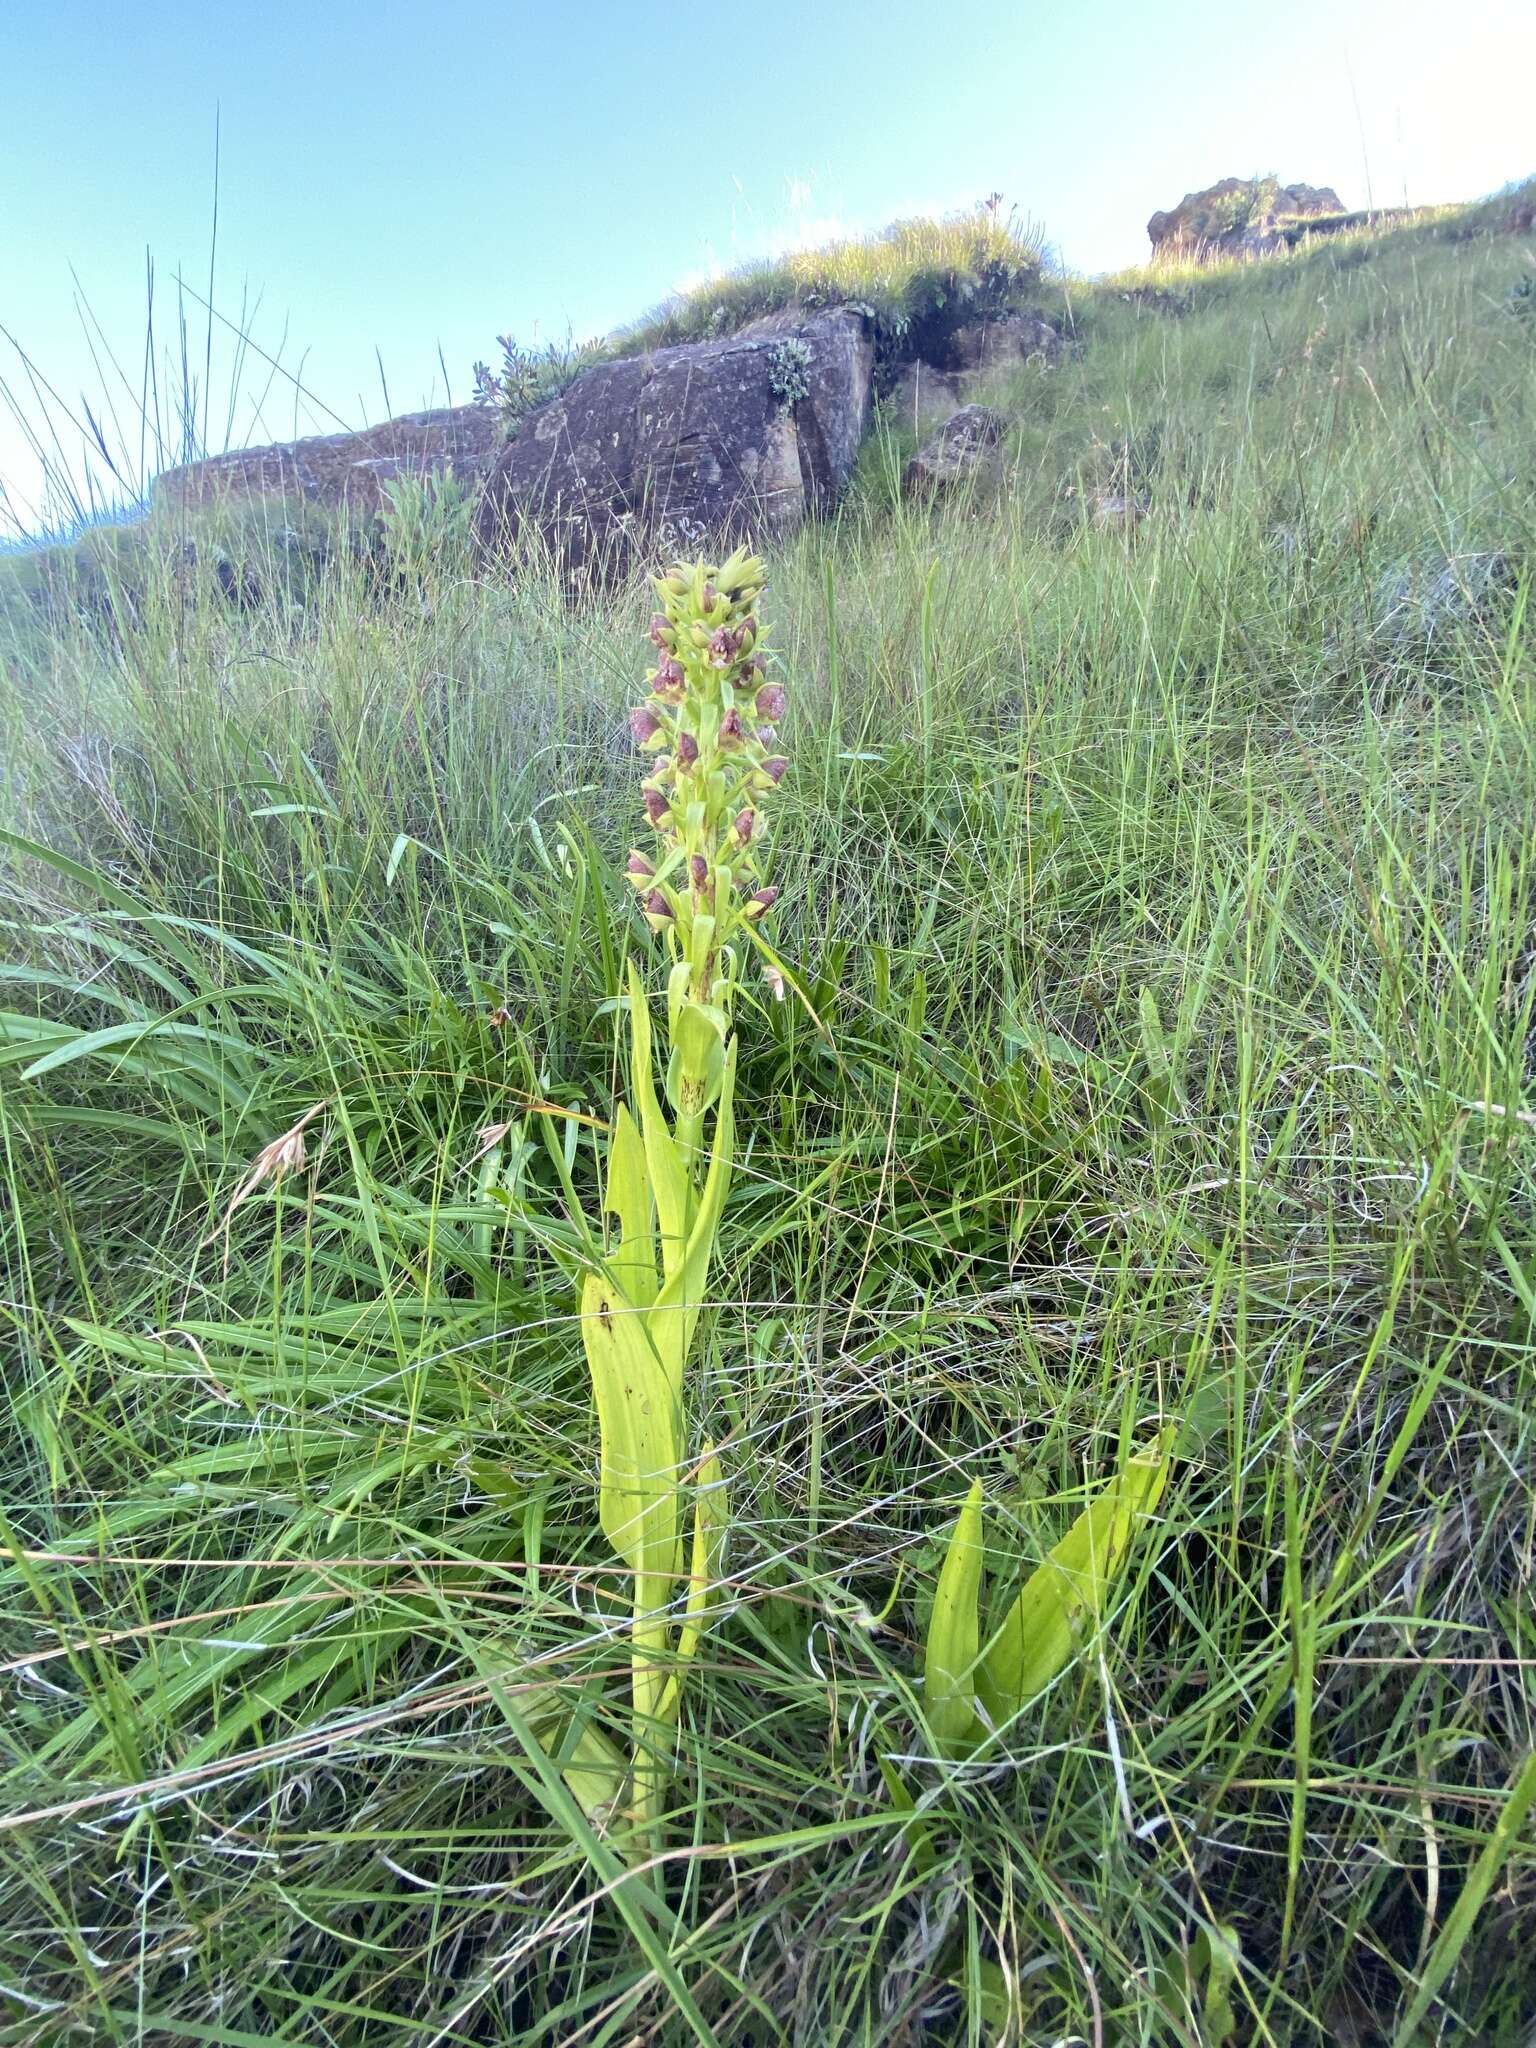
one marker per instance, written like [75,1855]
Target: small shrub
[528,377]
[789,373]
[425,523]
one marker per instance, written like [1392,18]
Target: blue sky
[402,182]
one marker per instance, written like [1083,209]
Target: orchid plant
[973,1686]
[709,723]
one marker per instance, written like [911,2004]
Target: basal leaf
[1064,1596]
[949,1673]
[594,1768]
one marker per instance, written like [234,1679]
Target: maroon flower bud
[731,731]
[698,868]
[765,735]
[760,902]
[656,807]
[661,630]
[746,633]
[774,767]
[722,647]
[669,680]
[711,598]
[746,824]
[638,868]
[643,725]
[687,750]
[656,905]
[771,701]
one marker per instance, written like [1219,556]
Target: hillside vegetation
[1157,911]
[915,282]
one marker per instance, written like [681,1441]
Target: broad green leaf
[990,1999]
[954,1630]
[1216,1956]
[711,1518]
[637,1416]
[672,1318]
[670,1186]
[1064,1595]
[697,1065]
[628,1197]
[108,892]
[1194,1985]
[190,1041]
[594,1768]
[499,1485]
[917,1834]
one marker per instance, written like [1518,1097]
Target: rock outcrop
[741,437]
[997,344]
[1241,216]
[966,451]
[1420,602]
[343,469]
[923,398]
[924,395]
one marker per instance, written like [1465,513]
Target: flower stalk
[710,720]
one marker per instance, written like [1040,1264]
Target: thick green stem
[689,1128]
[649,1696]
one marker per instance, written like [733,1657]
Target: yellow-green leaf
[638,1425]
[670,1186]
[672,1318]
[697,1064]
[1064,1596]
[628,1198]
[595,1769]
[711,1518]
[949,1683]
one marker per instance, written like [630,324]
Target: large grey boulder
[999,344]
[738,438]
[1418,603]
[967,450]
[1240,216]
[344,470]
[923,398]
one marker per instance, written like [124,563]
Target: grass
[1163,897]
[914,272]
[917,281]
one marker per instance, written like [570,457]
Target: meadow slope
[1160,899]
